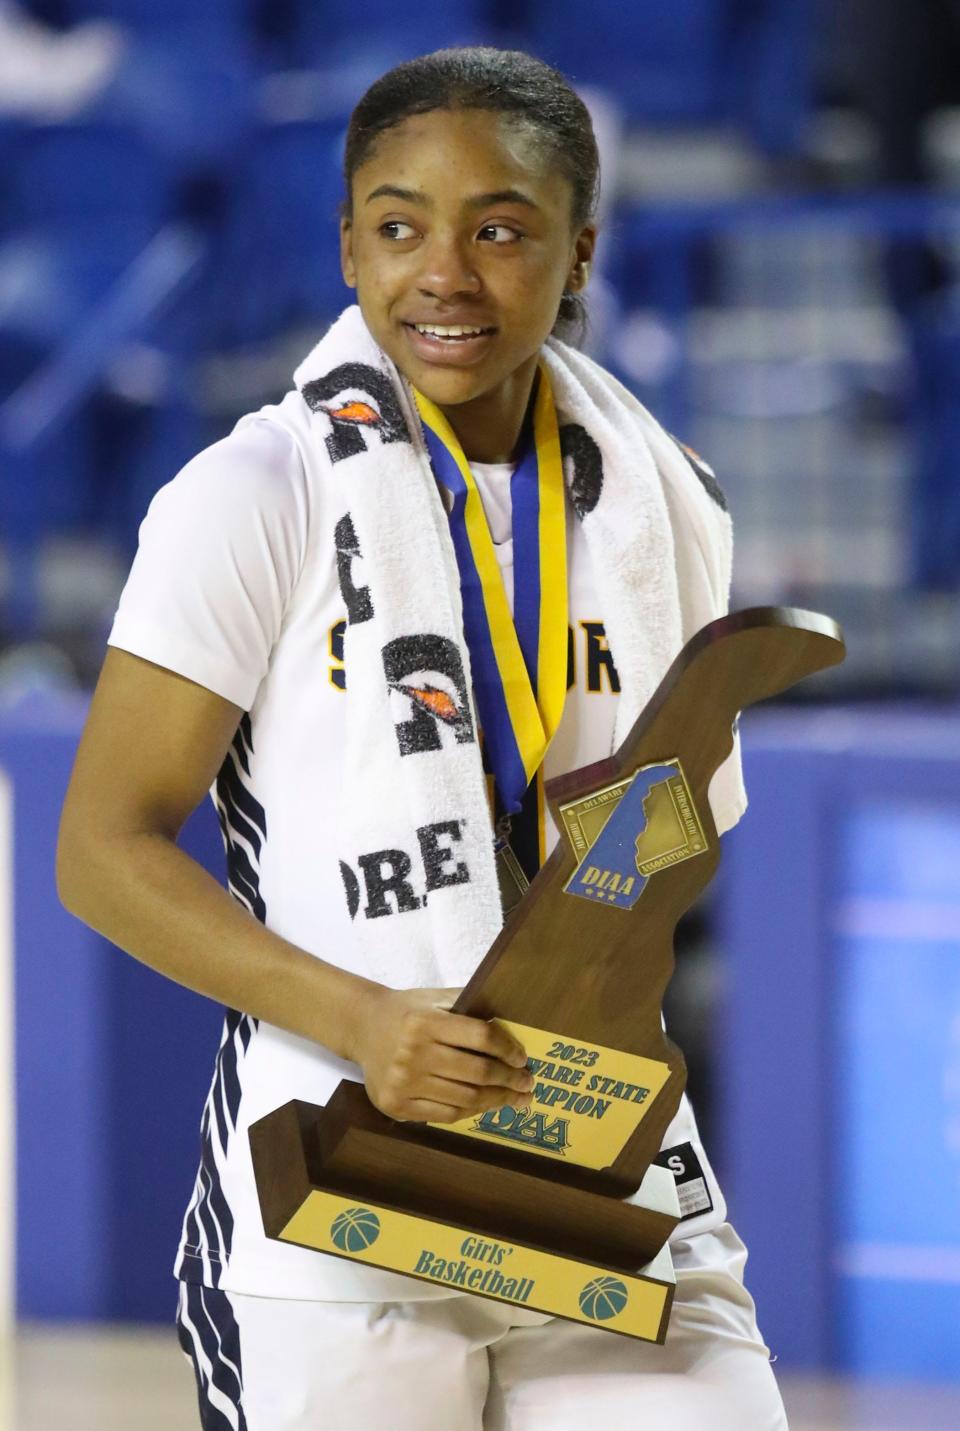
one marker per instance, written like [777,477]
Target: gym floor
[116,1379]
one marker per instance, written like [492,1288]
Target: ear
[583,251]
[347,266]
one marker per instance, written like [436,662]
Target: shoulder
[221,552]
[248,492]
[259,462]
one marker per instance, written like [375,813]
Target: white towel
[414,831]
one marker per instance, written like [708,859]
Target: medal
[519,662]
[512,880]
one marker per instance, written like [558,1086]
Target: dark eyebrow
[392,191]
[478,201]
[501,196]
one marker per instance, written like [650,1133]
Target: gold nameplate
[586,1102]
[635,1305]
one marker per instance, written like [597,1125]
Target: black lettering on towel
[386,874]
[355,598]
[350,416]
[437,857]
[428,670]
[579,449]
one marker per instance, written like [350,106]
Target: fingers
[465,1096]
[482,1036]
[479,1071]
[399,1098]
[434,1110]
[417,1053]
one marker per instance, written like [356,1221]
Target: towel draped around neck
[412,816]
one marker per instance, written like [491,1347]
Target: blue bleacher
[193,100]
[276,261]
[665,60]
[84,171]
[209,19]
[193,126]
[687,62]
[81,202]
[381,33]
[935,515]
[300,33]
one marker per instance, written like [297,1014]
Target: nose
[447,272]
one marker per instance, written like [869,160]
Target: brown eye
[396,229]
[499,233]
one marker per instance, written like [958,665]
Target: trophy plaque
[556,1204]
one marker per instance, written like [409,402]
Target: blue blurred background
[780,282]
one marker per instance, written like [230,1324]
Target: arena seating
[322,35]
[93,192]
[82,201]
[936,429]
[199,127]
[217,20]
[275,263]
[692,61]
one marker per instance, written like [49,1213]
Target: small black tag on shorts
[692,1189]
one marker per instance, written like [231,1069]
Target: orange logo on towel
[437,702]
[358,412]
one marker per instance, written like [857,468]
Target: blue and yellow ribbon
[519,662]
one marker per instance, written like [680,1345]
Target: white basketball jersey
[235,587]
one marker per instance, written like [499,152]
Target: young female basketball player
[453,523]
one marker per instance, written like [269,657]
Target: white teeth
[436,331]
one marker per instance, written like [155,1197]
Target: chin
[448,388]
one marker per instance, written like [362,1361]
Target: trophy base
[598,1280]
[633,1304]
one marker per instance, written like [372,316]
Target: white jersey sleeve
[221,549]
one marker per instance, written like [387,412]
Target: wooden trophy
[557,1205]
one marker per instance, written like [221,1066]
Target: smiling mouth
[450,333]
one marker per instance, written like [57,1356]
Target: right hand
[425,1064]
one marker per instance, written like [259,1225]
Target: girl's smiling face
[460,244]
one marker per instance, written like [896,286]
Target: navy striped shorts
[208,1333]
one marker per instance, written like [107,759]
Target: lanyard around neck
[520,662]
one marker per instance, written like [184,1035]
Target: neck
[488,427]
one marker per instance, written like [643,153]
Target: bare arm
[152,746]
